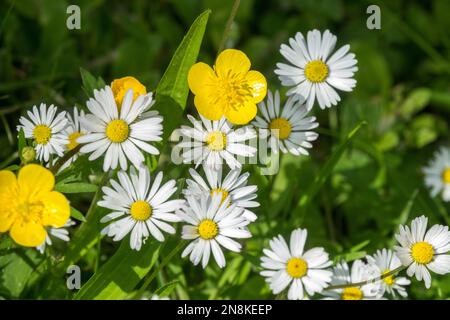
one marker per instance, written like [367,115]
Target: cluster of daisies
[305,273]
[217,205]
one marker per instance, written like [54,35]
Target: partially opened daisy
[421,250]
[46,127]
[59,233]
[437,174]
[140,206]
[230,89]
[286,265]
[234,186]
[359,272]
[386,261]
[315,71]
[213,142]
[120,135]
[212,223]
[289,129]
[73,131]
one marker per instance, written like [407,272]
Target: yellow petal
[199,78]
[232,61]
[6,221]
[34,178]
[242,115]
[57,209]
[259,85]
[28,234]
[208,110]
[7,180]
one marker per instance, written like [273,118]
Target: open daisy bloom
[359,272]
[213,142]
[119,135]
[288,129]
[421,250]
[437,174]
[291,265]
[46,128]
[386,261]
[229,89]
[234,186]
[28,204]
[314,73]
[140,207]
[212,223]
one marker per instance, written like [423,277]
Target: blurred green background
[403,94]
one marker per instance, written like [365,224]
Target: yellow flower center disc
[208,229]
[352,293]
[216,140]
[42,134]
[141,210]
[422,252]
[281,128]
[296,267]
[316,71]
[117,131]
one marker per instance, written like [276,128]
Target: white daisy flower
[314,73]
[60,233]
[140,207]
[386,261]
[291,265]
[46,128]
[73,131]
[234,186]
[212,142]
[359,272]
[421,250]
[212,223]
[288,130]
[437,174]
[120,135]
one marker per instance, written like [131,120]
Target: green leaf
[359,246]
[22,142]
[90,82]
[167,289]
[74,213]
[173,89]
[119,276]
[416,101]
[76,187]
[326,170]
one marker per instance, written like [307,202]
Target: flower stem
[155,272]
[65,158]
[229,25]
[359,284]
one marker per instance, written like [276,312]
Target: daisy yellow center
[316,71]
[121,86]
[208,229]
[352,293]
[42,134]
[220,190]
[141,210]
[296,267]
[117,130]
[281,128]
[216,140]
[234,90]
[446,175]
[389,280]
[422,252]
[73,140]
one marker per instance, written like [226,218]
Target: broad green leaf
[90,82]
[173,90]
[118,277]
[75,187]
[22,142]
[326,170]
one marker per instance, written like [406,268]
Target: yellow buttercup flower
[28,204]
[231,89]
[121,86]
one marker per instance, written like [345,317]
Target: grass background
[402,93]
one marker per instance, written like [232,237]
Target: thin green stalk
[65,158]
[10,159]
[155,272]
[359,284]
[229,25]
